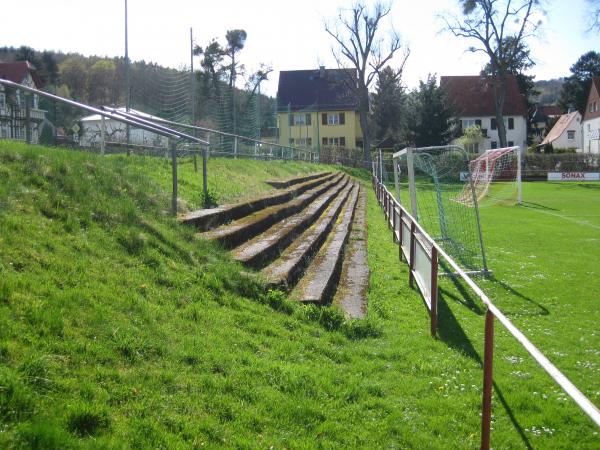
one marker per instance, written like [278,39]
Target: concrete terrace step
[263,248]
[281,184]
[319,281]
[285,270]
[207,219]
[351,294]
[243,229]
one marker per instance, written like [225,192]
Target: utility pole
[127,81]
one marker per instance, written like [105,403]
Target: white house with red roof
[591,119]
[13,102]
[473,99]
[566,133]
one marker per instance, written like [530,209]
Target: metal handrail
[576,395]
[153,129]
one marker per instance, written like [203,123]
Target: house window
[469,123]
[511,123]
[511,143]
[2,101]
[334,141]
[472,148]
[333,118]
[494,124]
[300,119]
[494,143]
[35,101]
[302,142]
[3,132]
[571,135]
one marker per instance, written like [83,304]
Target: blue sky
[286,35]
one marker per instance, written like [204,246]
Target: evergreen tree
[576,88]
[430,117]
[388,106]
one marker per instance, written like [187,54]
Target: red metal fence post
[434,290]
[411,263]
[488,355]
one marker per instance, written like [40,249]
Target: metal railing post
[235,147]
[486,407]
[400,232]
[173,146]
[102,135]
[434,290]
[411,262]
[205,176]
[27,117]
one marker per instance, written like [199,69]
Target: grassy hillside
[118,329]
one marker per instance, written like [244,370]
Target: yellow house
[317,109]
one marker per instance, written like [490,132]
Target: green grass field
[118,329]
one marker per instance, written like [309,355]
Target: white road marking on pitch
[570,219]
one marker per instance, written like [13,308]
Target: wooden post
[434,290]
[173,145]
[486,409]
[393,222]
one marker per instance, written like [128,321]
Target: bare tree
[361,47]
[500,28]
[594,16]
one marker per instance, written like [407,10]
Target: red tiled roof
[472,96]
[550,110]
[559,127]
[16,72]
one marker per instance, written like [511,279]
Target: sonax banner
[573,176]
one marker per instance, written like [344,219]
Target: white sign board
[573,176]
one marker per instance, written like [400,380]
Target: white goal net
[496,178]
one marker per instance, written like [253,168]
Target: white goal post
[496,165]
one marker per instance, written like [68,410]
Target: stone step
[207,219]
[319,281]
[285,270]
[246,228]
[263,248]
[282,184]
[351,293]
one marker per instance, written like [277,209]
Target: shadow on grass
[451,333]
[536,206]
[464,298]
[543,310]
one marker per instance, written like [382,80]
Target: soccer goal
[496,176]
[437,184]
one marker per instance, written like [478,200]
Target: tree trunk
[499,97]
[363,111]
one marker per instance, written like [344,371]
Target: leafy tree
[499,28]
[101,82]
[388,106]
[430,116]
[235,43]
[74,73]
[576,88]
[47,136]
[356,34]
[25,53]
